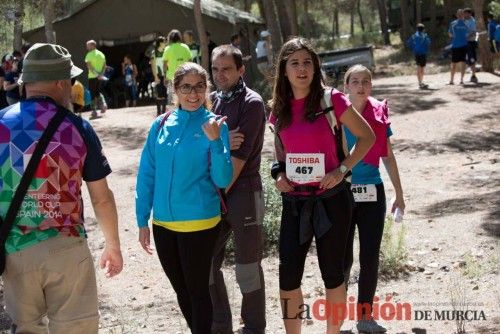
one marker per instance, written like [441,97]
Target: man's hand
[111,261]
[236,139]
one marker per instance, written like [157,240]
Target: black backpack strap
[22,188]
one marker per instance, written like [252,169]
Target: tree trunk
[360,16]
[352,19]
[284,19]
[405,21]
[200,27]
[485,54]
[48,17]
[291,8]
[248,5]
[382,14]
[307,20]
[273,25]
[336,32]
[432,29]
[18,25]
[418,11]
[448,12]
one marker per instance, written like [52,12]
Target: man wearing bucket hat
[49,278]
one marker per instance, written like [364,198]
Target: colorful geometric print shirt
[53,204]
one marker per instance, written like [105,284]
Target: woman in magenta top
[368,191]
[310,175]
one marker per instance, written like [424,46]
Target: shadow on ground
[405,100]
[129,138]
[489,202]
[463,142]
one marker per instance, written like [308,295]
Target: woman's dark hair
[158,41]
[282,91]
[174,36]
[192,68]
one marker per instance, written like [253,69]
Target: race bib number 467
[305,167]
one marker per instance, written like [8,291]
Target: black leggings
[369,217]
[186,258]
[330,247]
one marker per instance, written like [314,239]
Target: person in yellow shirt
[96,64]
[174,55]
[77,93]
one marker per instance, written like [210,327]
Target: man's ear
[242,70]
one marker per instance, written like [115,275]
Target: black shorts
[330,247]
[94,87]
[471,56]
[421,60]
[458,54]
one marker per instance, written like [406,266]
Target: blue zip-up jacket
[175,177]
[419,43]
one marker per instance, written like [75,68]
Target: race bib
[305,167]
[364,192]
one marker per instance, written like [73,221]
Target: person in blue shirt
[458,32]
[471,56]
[492,25]
[497,37]
[185,160]
[419,43]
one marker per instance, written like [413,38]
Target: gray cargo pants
[245,217]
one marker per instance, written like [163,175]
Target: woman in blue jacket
[185,159]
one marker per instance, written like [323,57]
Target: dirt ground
[447,143]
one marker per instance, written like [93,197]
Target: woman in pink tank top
[310,175]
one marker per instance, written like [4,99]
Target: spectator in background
[264,53]
[175,54]
[492,25]
[77,96]
[419,43]
[129,71]
[157,67]
[188,37]
[236,42]
[471,56]
[497,37]
[144,76]
[10,84]
[458,32]
[211,46]
[96,64]
[3,100]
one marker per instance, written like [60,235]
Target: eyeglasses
[187,89]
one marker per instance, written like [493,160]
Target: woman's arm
[144,192]
[362,131]
[7,86]
[391,166]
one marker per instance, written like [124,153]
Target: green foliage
[393,252]
[494,8]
